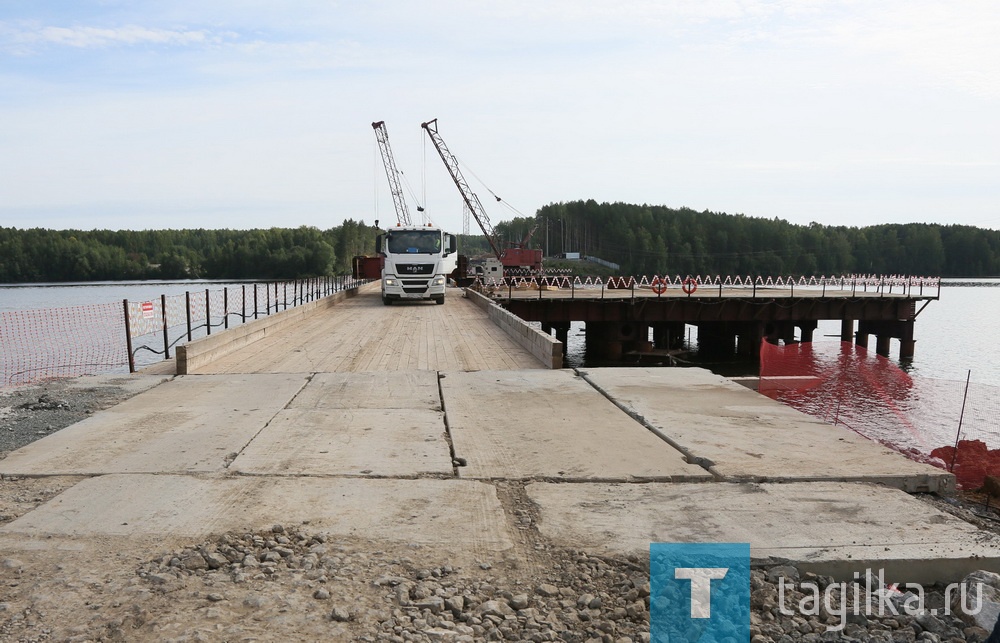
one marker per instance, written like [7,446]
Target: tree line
[39,255]
[647,239]
[643,239]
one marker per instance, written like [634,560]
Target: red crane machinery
[514,259]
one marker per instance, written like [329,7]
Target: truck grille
[414,268]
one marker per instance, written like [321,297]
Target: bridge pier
[884,332]
[611,340]
[667,335]
[846,330]
[560,330]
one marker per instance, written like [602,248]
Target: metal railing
[192,315]
[717,286]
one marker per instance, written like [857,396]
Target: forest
[643,239]
[648,240]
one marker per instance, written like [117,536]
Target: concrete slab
[827,527]
[747,436]
[551,424]
[391,442]
[464,516]
[189,424]
[374,390]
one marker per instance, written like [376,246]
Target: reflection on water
[849,385]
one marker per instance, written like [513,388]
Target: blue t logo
[699,592]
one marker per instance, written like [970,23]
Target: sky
[255,114]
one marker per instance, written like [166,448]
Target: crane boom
[402,212]
[470,198]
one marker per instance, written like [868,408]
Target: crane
[402,212]
[518,258]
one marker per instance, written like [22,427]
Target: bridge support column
[861,338]
[846,330]
[748,340]
[882,345]
[807,328]
[907,344]
[667,335]
[716,338]
[562,333]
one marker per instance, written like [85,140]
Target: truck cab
[418,260]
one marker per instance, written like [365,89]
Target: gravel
[571,595]
[29,413]
[291,582]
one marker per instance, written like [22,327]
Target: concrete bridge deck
[405,424]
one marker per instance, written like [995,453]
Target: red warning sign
[147,310]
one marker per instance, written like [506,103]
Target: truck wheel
[439,300]
[386,301]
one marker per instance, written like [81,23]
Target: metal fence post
[208,314]
[187,304]
[163,316]
[225,306]
[128,338]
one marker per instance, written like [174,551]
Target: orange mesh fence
[923,418]
[61,342]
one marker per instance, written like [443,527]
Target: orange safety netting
[848,385]
[61,342]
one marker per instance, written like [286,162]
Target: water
[34,296]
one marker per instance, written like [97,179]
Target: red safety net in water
[847,385]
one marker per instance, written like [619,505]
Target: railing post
[128,338]
[225,307]
[255,300]
[243,309]
[163,316]
[208,314]
[187,305]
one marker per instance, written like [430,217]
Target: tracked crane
[402,212]
[514,259]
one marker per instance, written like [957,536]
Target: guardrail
[714,286]
[185,315]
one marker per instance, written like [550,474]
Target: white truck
[417,262]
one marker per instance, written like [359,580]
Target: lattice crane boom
[470,198]
[391,173]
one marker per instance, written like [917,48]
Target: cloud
[26,38]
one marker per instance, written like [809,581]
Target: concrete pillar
[807,329]
[862,338]
[882,345]
[846,330]
[907,344]
[748,340]
[716,338]
[668,335]
[562,333]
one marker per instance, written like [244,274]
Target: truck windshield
[414,241]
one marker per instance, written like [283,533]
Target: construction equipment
[510,260]
[392,173]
